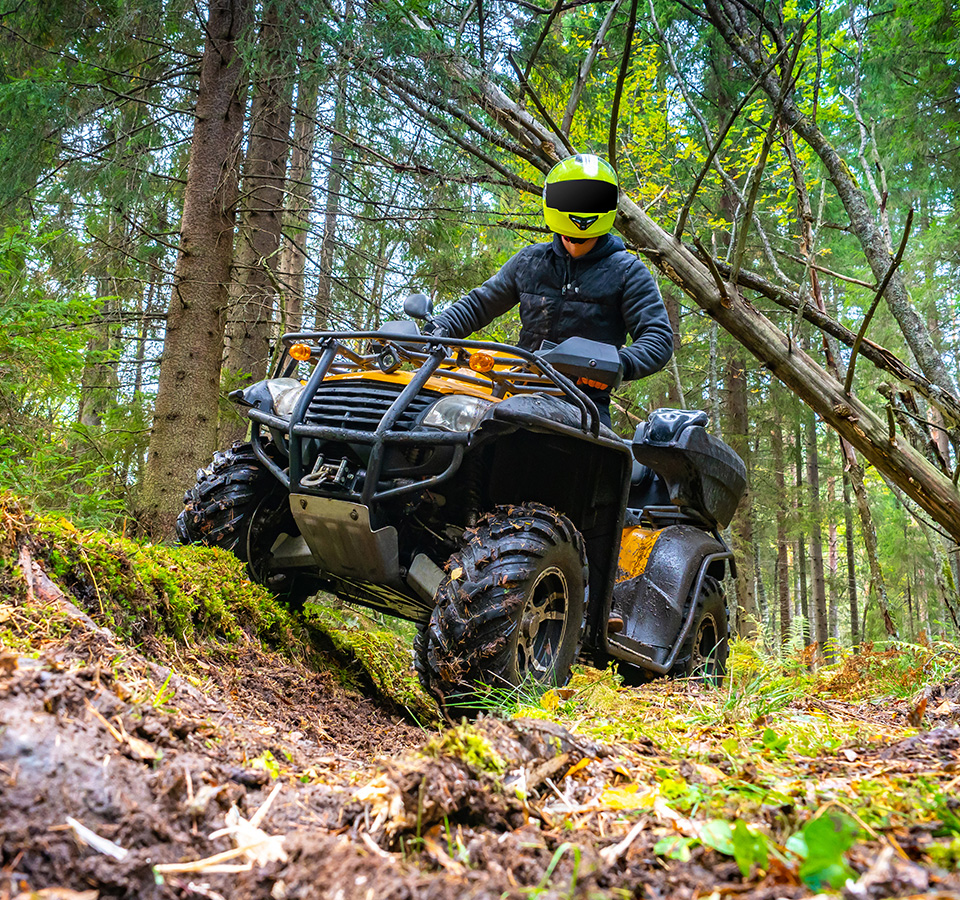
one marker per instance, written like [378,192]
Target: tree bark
[869,534]
[293,257]
[328,243]
[801,536]
[819,604]
[783,574]
[738,425]
[851,563]
[184,433]
[250,321]
[833,562]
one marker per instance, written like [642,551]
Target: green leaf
[748,848]
[772,741]
[674,847]
[821,845]
[731,746]
[718,834]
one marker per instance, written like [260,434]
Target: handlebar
[534,372]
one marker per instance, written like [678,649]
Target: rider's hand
[434,329]
[586,382]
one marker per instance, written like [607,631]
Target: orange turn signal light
[481,362]
[300,352]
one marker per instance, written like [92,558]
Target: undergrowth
[163,598]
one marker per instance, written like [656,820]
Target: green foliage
[466,743]
[821,844]
[383,656]
[174,595]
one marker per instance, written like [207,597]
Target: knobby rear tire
[703,656]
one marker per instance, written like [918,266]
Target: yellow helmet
[580,196]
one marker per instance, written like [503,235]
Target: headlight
[285,392]
[457,412]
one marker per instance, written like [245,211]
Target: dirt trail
[259,778]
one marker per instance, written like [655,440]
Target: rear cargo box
[700,471]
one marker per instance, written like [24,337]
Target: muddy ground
[259,778]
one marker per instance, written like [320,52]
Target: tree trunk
[783,574]
[250,321]
[833,562]
[328,243]
[869,534]
[293,256]
[99,382]
[801,536]
[819,599]
[737,436]
[851,563]
[184,432]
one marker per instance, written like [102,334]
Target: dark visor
[582,195]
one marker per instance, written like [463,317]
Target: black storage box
[699,470]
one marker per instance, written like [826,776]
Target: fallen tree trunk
[702,282]
[847,415]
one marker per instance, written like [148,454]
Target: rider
[581,284]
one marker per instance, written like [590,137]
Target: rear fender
[657,571]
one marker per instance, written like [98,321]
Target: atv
[469,486]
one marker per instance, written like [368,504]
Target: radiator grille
[360,405]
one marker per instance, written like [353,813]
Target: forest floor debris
[219,765]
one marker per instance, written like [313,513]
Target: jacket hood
[606,245]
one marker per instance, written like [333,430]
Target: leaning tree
[495,113]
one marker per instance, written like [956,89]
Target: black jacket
[604,296]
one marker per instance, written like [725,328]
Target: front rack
[531,373]
[430,355]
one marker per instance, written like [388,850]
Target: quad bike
[469,486]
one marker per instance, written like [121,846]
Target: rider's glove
[587,382]
[434,328]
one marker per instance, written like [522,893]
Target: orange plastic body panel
[636,545]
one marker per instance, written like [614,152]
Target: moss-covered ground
[786,781]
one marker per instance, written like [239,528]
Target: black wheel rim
[542,625]
[706,648]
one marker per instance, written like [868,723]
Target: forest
[165,221]
[182,183]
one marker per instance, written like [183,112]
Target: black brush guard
[333,356]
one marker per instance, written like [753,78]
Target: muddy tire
[237,505]
[703,656]
[509,613]
[219,508]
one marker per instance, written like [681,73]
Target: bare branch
[848,383]
[586,67]
[536,48]
[624,66]
[539,105]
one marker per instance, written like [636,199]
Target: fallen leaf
[915,716]
[579,766]
[627,796]
[550,701]
[58,893]
[709,774]
[456,573]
